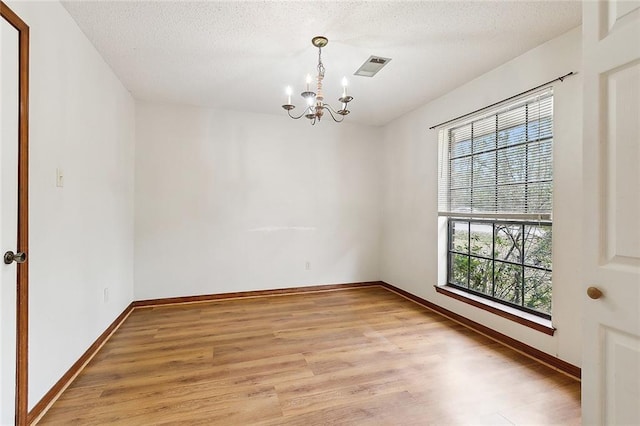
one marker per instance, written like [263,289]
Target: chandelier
[315,100]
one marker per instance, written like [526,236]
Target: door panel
[616,13]
[611,154]
[9,90]
[622,113]
[621,390]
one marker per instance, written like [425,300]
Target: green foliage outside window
[507,261]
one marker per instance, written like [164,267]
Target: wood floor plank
[361,356]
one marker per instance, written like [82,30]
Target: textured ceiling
[241,55]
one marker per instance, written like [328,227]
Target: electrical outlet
[307,265]
[106,294]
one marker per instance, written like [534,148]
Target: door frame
[22,308]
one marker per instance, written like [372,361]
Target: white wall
[81,235]
[229,202]
[409,249]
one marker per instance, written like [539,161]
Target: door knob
[594,293]
[10,257]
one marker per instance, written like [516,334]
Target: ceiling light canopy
[315,100]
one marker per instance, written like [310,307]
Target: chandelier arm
[300,116]
[331,111]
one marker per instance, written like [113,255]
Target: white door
[611,311]
[8,216]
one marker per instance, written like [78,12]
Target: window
[495,191]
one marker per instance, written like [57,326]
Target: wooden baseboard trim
[244,294]
[536,354]
[50,397]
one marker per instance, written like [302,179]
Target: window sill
[529,320]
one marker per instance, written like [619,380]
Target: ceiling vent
[371,66]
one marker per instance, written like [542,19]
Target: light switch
[59,178]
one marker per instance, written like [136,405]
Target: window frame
[541,214]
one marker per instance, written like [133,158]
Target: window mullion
[469,254]
[522,263]
[449,245]
[493,262]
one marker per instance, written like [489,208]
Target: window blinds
[501,164]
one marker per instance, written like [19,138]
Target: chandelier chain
[320,65]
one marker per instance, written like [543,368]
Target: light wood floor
[357,357]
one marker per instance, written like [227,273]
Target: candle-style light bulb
[308,82]
[344,87]
[289,91]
